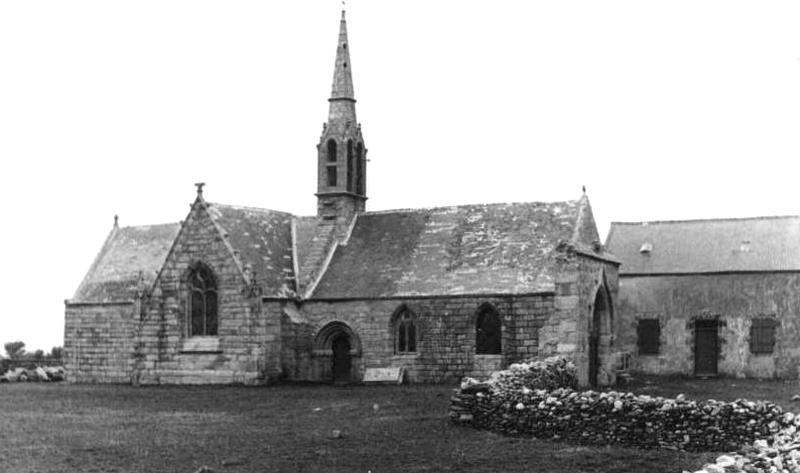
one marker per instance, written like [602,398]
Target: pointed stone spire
[342,77]
[342,155]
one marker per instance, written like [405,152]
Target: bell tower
[341,155]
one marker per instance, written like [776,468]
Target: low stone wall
[602,418]
[538,399]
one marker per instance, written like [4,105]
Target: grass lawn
[95,428]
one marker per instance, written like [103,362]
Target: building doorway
[336,351]
[599,337]
[706,347]
[341,360]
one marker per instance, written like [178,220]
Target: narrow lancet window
[405,332]
[331,151]
[350,165]
[360,170]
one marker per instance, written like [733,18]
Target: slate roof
[128,262]
[314,241]
[262,238]
[707,246]
[305,228]
[472,249]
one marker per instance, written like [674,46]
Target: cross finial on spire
[199,186]
[116,220]
[584,190]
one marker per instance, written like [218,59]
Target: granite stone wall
[98,342]
[445,335]
[248,344]
[567,332]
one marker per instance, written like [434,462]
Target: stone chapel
[236,294]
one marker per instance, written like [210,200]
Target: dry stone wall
[518,402]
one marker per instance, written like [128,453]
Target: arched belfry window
[405,331]
[331,151]
[202,302]
[488,331]
[360,170]
[350,165]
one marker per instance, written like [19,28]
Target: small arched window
[405,332]
[331,151]
[488,331]
[202,302]
[360,170]
[350,165]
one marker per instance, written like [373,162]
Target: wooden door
[341,360]
[706,347]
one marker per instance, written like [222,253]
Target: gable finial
[116,220]
[584,190]
[199,186]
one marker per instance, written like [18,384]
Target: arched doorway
[341,360]
[335,346]
[599,334]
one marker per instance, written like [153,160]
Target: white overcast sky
[663,110]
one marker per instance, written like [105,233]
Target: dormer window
[646,248]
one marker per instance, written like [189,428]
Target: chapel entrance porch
[600,340]
[336,346]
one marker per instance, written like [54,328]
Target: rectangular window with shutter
[762,336]
[649,335]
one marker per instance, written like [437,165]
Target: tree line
[17,356]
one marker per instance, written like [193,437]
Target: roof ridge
[705,220]
[248,207]
[150,225]
[490,204]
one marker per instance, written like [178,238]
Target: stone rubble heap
[778,453]
[548,374]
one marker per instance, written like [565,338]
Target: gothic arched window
[202,302]
[350,165]
[360,170]
[405,332]
[488,331]
[331,151]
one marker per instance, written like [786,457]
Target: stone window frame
[486,342]
[404,322]
[648,342]
[209,287]
[762,337]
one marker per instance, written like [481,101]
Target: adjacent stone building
[707,297]
[247,295]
